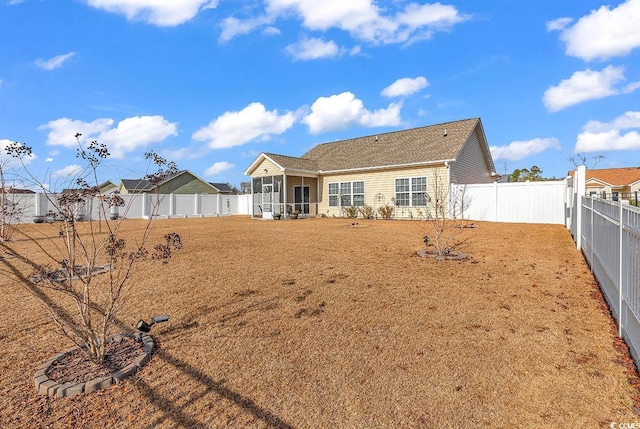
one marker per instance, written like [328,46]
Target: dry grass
[313,323]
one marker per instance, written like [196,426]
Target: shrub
[367,212]
[350,212]
[386,211]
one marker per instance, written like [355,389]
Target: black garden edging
[46,386]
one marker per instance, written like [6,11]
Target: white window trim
[352,194]
[411,191]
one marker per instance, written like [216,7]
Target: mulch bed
[77,366]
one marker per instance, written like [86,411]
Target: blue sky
[210,84]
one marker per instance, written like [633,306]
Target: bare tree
[85,273]
[581,159]
[444,220]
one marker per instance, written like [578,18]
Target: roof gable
[143,185]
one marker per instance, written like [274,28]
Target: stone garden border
[46,386]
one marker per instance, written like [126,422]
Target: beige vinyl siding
[186,184]
[272,169]
[379,186]
[108,188]
[598,187]
[471,164]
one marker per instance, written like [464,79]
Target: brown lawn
[315,323]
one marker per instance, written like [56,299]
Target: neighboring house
[183,182]
[107,187]
[12,190]
[613,183]
[398,168]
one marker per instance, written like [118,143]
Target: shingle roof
[413,146]
[222,187]
[137,184]
[293,163]
[614,176]
[146,185]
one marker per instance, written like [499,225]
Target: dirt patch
[312,324]
[448,256]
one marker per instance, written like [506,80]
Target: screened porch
[284,197]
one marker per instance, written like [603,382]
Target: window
[334,191]
[346,194]
[358,194]
[411,191]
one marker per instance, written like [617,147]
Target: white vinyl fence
[519,202]
[608,233]
[137,206]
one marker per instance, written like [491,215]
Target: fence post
[495,201]
[36,204]
[592,240]
[529,200]
[623,204]
[579,183]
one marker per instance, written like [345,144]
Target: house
[401,168]
[107,187]
[12,190]
[183,182]
[613,183]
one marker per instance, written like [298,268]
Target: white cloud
[517,150]
[363,19]
[7,161]
[158,12]
[599,136]
[218,168]
[68,171]
[271,31]
[253,122]
[604,33]
[312,49]
[136,132]
[232,27]
[405,86]
[339,112]
[48,160]
[586,85]
[127,136]
[55,62]
[558,24]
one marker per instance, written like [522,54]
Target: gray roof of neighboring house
[137,184]
[413,146]
[146,185]
[222,187]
